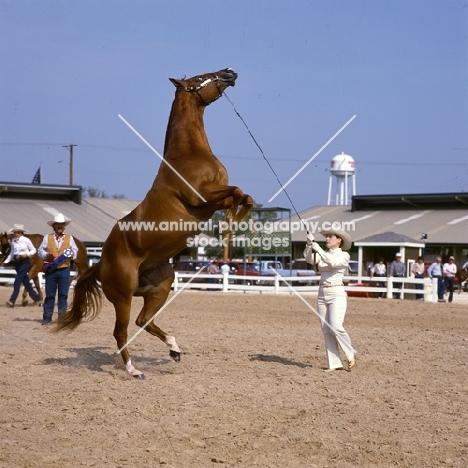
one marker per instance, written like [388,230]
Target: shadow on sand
[277,359]
[94,359]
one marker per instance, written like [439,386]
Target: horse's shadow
[277,359]
[94,359]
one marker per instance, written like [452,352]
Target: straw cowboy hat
[17,228]
[344,236]
[59,218]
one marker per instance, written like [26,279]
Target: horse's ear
[177,83]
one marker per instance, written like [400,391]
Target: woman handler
[332,298]
[22,249]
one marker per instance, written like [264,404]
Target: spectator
[398,270]
[225,269]
[212,270]
[57,280]
[418,272]
[379,270]
[449,271]
[435,271]
[22,249]
[465,274]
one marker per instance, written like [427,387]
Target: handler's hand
[315,246]
[25,255]
[310,238]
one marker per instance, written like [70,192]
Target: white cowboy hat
[59,218]
[344,236]
[17,228]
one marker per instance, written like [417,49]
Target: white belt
[330,285]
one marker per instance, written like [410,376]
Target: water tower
[342,167]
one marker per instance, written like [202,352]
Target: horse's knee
[140,322]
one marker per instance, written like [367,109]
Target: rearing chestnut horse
[136,262]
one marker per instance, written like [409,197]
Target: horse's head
[209,86]
[4,246]
[3,238]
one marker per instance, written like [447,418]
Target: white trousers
[331,305]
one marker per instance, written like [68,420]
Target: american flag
[37,177]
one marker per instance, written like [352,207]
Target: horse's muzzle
[228,75]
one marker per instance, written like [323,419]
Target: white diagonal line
[322,320]
[160,310]
[312,158]
[160,157]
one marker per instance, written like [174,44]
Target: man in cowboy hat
[22,249]
[398,270]
[53,246]
[332,297]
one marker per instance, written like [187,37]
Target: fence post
[40,278]
[225,281]
[276,284]
[435,287]
[390,287]
[176,281]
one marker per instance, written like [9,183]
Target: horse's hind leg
[154,298]
[122,319]
[24,301]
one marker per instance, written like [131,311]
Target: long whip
[272,170]
[268,162]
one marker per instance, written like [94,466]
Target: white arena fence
[307,284]
[8,275]
[276,284]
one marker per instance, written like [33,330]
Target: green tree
[254,242]
[93,192]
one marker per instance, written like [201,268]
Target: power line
[239,158]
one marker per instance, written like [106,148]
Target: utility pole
[70,147]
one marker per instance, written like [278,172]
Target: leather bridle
[204,84]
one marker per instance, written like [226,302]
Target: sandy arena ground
[249,390]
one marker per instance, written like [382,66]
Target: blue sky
[68,68]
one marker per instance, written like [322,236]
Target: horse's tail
[87,300]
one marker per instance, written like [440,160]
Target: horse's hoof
[139,376]
[174,355]
[24,303]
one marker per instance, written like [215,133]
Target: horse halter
[204,84]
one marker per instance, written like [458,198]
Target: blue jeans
[398,286]
[381,285]
[419,286]
[22,267]
[440,287]
[448,286]
[58,279]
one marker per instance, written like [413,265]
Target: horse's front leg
[230,198]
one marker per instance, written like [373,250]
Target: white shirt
[333,265]
[450,269]
[42,251]
[379,269]
[20,246]
[418,268]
